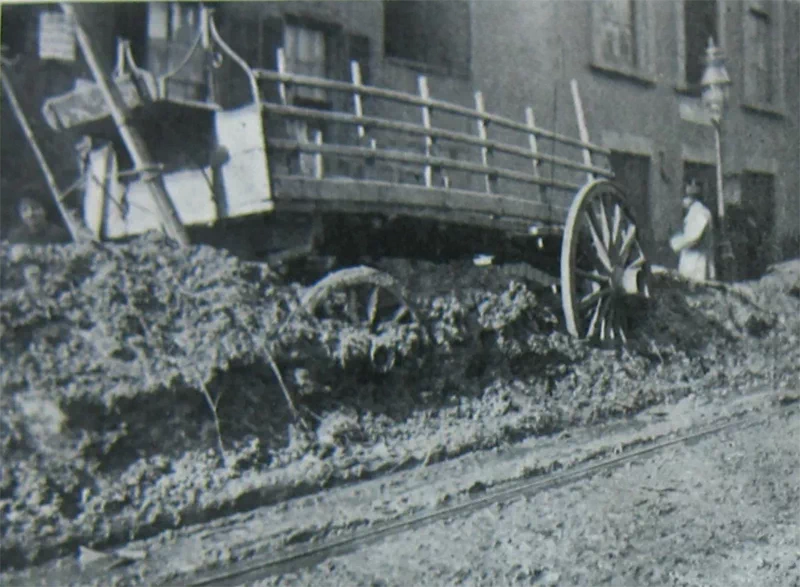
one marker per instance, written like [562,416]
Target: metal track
[292,559]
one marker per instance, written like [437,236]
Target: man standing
[34,227]
[695,244]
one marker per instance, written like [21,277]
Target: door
[752,229]
[632,173]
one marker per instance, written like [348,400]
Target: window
[171,29]
[616,33]
[699,22]
[620,39]
[434,36]
[760,48]
[304,52]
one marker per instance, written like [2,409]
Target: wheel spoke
[593,321]
[399,314]
[372,305]
[639,262]
[624,250]
[596,277]
[613,321]
[621,330]
[593,297]
[604,223]
[616,222]
[604,318]
[602,253]
[352,306]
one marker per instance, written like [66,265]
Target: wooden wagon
[313,170]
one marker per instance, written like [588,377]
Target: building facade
[638,65]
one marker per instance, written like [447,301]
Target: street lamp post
[716,84]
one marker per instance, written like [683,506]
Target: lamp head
[715,82]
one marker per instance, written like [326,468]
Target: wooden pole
[133,141]
[358,109]
[582,128]
[483,135]
[72,225]
[422,86]
[530,120]
[720,185]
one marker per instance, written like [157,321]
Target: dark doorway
[632,173]
[751,224]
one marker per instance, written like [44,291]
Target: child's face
[32,214]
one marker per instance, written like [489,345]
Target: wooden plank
[245,176]
[510,226]
[516,226]
[582,128]
[530,120]
[483,135]
[412,100]
[130,136]
[414,159]
[319,168]
[358,107]
[86,104]
[281,60]
[338,192]
[422,86]
[418,130]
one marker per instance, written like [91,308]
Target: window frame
[644,34]
[773,11]
[458,71]
[681,85]
[308,95]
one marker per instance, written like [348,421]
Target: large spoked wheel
[603,266]
[361,296]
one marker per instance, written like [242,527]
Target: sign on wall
[56,37]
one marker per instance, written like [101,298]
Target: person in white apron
[695,244]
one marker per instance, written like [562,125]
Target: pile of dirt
[129,369]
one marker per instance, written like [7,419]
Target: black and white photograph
[400,293]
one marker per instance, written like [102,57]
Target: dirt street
[148,390]
[721,512]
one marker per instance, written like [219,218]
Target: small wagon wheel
[602,263]
[360,295]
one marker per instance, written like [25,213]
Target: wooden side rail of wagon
[602,262]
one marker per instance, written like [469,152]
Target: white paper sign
[56,38]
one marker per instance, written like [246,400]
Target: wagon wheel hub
[626,281]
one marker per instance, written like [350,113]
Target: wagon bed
[315,146]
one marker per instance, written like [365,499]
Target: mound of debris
[129,369]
